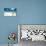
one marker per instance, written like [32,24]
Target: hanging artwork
[9,11]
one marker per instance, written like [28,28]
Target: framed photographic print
[9,11]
